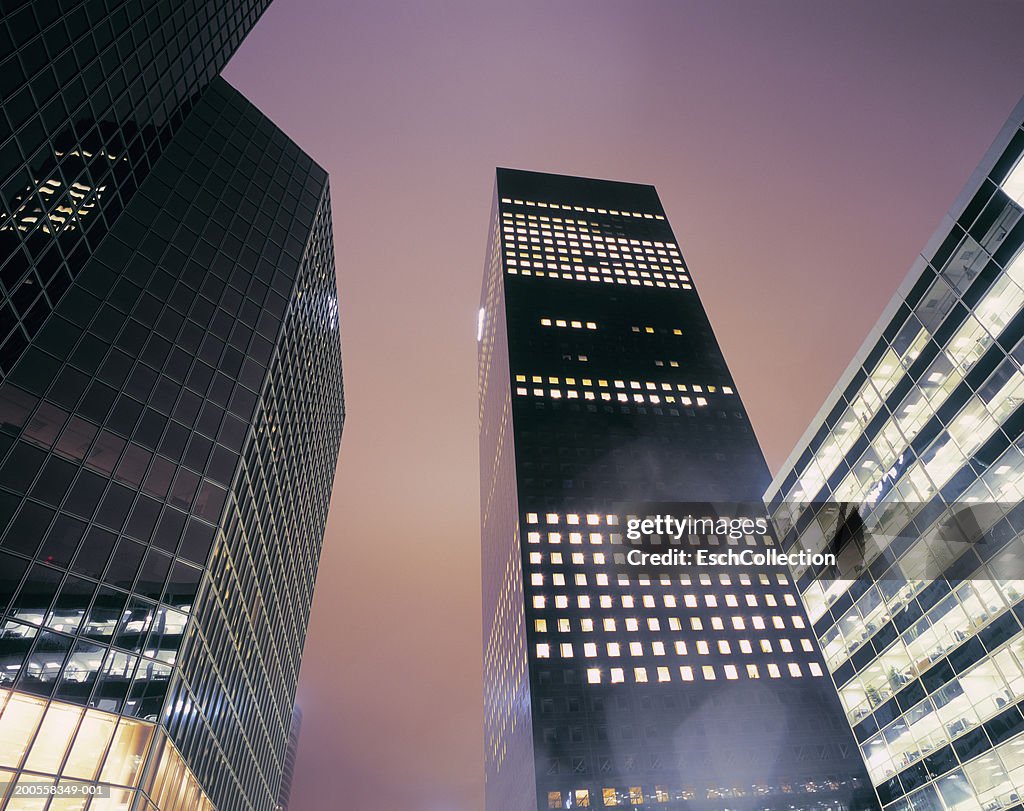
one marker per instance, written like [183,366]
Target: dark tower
[170,410]
[602,383]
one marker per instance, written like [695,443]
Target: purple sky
[804,152]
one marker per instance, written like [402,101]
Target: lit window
[566,650]
[632,624]
[686,673]
[752,672]
[609,624]
[594,675]
[540,626]
[745,646]
[538,601]
[786,645]
[636,649]
[531,518]
[730,672]
[663,674]
[536,557]
[613,649]
[815,669]
[589,649]
[561,601]
[702,647]
[627,601]
[794,670]
[773,671]
[658,648]
[723,646]
[617,675]
[586,624]
[696,624]
[653,624]
[583,601]
[543,650]
[640,674]
[680,647]
[536,579]
[708,671]
[806,645]
[738,624]
[563,626]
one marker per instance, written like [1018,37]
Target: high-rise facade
[285,792]
[170,412]
[913,474]
[601,383]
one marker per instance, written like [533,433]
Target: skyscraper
[170,412]
[913,474]
[602,383]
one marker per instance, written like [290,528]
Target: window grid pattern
[84,136]
[124,428]
[508,722]
[931,671]
[642,692]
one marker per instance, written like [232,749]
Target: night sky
[804,153]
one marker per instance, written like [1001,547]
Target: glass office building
[284,793]
[601,382]
[170,413]
[912,473]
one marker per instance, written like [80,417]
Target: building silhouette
[170,410]
[921,440]
[602,385]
